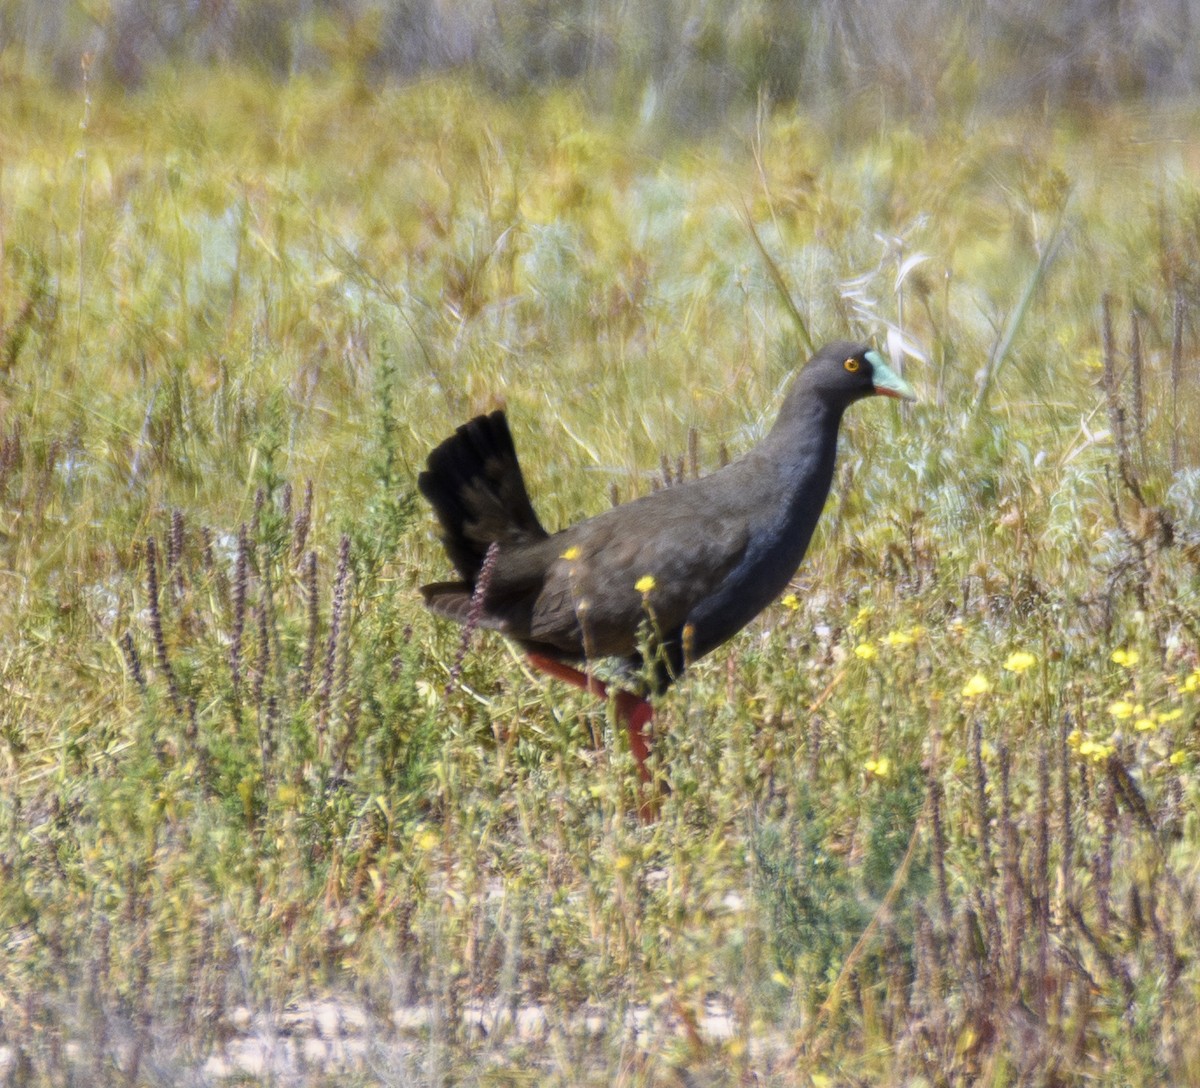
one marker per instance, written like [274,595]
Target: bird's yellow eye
[851,364]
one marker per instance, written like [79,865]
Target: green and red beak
[886,381]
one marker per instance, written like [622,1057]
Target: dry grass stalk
[475,614]
[335,643]
[175,545]
[1112,387]
[936,799]
[1041,885]
[1139,398]
[303,521]
[241,579]
[1176,375]
[262,662]
[156,625]
[312,610]
[134,661]
[1014,897]
[1102,861]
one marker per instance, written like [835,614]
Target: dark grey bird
[686,567]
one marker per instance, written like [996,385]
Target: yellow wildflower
[977,685]
[1019,661]
[1191,683]
[864,614]
[791,602]
[645,584]
[1095,751]
[880,767]
[1145,725]
[1123,709]
[1164,716]
[1128,658]
[571,553]
[1177,757]
[865,650]
[1075,739]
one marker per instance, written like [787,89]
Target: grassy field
[933,817]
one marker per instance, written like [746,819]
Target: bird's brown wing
[512,590]
[585,592]
[650,560]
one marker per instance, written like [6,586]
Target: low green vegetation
[932,818]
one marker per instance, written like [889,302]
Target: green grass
[242,777]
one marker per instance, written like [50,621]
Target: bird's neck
[804,438]
[799,455]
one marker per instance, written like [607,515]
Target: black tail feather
[473,481]
[449,599]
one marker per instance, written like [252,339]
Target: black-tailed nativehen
[678,571]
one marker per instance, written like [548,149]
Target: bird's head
[843,372]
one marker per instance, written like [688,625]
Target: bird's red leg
[636,713]
[571,675]
[633,710]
